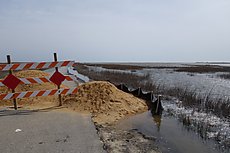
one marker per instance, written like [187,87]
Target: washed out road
[47,132]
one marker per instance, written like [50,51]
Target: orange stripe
[44,80]
[16,95]
[14,66]
[28,94]
[75,91]
[53,92]
[64,91]
[40,65]
[1,80]
[2,66]
[27,66]
[31,80]
[40,93]
[2,96]
[65,63]
[68,78]
[53,64]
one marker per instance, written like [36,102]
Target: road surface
[47,132]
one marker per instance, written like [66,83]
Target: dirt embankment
[105,102]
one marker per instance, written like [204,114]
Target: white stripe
[47,65]
[72,77]
[59,64]
[38,80]
[21,66]
[24,80]
[8,96]
[1,84]
[46,93]
[70,91]
[22,94]
[48,78]
[8,66]
[34,94]
[34,66]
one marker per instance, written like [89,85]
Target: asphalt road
[47,132]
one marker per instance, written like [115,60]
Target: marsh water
[171,136]
[201,83]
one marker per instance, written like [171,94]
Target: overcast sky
[115,30]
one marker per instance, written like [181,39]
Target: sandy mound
[105,101]
[36,101]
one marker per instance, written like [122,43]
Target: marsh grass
[219,106]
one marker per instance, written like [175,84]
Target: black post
[59,95]
[158,102]
[151,97]
[13,91]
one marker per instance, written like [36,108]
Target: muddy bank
[125,141]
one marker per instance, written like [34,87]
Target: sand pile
[36,101]
[104,101]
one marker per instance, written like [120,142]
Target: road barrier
[33,66]
[30,94]
[57,78]
[38,80]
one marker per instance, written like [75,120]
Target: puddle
[172,136]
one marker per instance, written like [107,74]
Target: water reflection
[157,120]
[171,137]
